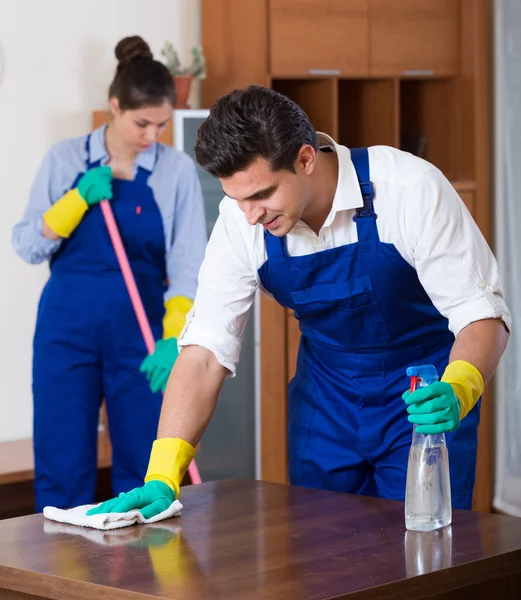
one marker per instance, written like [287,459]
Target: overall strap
[275,246]
[142,173]
[365,216]
[90,165]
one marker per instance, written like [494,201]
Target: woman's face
[140,128]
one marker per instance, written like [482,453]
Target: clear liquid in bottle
[427,496]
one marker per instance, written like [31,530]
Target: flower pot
[183,84]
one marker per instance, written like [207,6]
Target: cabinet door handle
[324,71]
[418,73]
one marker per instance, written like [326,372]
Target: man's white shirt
[419,212]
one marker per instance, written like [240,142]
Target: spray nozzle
[421,376]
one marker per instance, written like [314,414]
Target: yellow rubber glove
[158,365]
[467,383]
[169,461]
[65,215]
[175,316]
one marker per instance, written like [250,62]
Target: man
[417,285]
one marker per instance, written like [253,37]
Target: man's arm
[460,274]
[191,395]
[210,348]
[474,358]
[189,403]
[481,344]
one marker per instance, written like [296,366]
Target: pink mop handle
[135,298]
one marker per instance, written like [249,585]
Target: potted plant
[183,76]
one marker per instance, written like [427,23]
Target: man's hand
[169,461]
[434,409]
[151,499]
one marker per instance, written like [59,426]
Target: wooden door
[414,37]
[313,37]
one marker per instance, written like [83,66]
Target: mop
[135,298]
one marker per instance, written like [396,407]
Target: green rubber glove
[151,499]
[96,185]
[434,408]
[157,366]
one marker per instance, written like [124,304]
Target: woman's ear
[115,110]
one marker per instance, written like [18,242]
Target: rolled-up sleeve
[27,237]
[454,262]
[225,293]
[186,252]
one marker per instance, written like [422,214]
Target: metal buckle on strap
[367,210]
[367,189]
[364,212]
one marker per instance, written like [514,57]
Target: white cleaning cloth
[105,521]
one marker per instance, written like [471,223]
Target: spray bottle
[427,495]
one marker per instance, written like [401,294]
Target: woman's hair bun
[132,48]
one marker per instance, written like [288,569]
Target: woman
[87,344]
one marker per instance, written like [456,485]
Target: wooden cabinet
[428,122]
[414,36]
[466,191]
[318,36]
[468,199]
[350,38]
[368,112]
[235,45]
[293,343]
[317,97]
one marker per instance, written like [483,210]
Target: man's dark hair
[253,123]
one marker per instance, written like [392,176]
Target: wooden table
[255,540]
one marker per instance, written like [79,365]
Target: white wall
[57,61]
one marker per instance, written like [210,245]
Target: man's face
[274,199]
